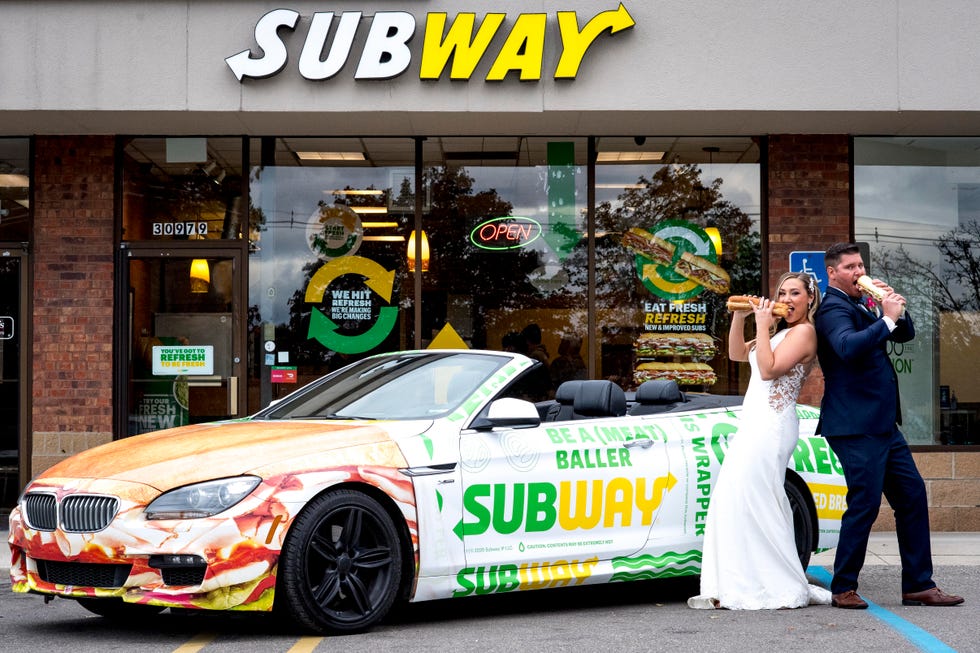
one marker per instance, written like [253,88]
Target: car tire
[118,609]
[803,523]
[341,564]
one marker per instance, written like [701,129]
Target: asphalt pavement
[563,620]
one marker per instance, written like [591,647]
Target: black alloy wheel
[341,564]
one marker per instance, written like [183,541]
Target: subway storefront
[204,208]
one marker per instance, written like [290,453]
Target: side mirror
[509,413]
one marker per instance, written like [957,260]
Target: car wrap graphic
[547,517]
[240,547]
[666,565]
[478,509]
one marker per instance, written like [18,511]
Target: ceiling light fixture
[624,186]
[354,191]
[411,252]
[200,275]
[12,180]
[621,157]
[331,156]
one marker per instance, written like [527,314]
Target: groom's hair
[834,253]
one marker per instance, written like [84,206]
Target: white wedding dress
[749,560]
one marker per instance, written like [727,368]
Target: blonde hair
[812,291]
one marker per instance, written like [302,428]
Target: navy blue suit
[859,416]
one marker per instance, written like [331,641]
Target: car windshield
[415,385]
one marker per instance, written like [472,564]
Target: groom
[859,416]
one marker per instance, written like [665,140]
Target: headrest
[600,399]
[659,391]
[565,394]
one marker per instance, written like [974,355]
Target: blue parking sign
[811,263]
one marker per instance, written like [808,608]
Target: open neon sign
[509,232]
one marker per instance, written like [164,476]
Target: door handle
[233,395]
[646,443]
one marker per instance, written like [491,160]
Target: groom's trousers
[876,464]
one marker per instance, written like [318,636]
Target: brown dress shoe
[934,596]
[848,600]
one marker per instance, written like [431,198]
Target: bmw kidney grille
[80,513]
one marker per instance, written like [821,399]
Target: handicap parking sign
[811,263]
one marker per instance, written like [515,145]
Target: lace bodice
[783,391]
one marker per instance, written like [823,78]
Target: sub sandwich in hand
[748,302]
[865,283]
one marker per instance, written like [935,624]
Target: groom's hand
[893,305]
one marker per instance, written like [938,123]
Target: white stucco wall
[687,66]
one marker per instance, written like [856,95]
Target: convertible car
[406,476]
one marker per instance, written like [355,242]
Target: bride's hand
[763,314]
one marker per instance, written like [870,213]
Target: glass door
[12,392]
[185,339]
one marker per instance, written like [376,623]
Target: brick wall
[808,206]
[72,259]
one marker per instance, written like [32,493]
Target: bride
[749,559]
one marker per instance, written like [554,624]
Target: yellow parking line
[305,645]
[196,644]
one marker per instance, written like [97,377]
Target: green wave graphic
[648,560]
[651,574]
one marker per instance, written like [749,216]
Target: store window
[15,189]
[677,231]
[329,275]
[505,219]
[182,189]
[364,245]
[917,207]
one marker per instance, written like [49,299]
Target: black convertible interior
[601,398]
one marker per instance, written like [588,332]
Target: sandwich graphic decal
[676,260]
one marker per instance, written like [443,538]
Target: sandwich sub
[697,345]
[701,270]
[864,283]
[642,242]
[748,302]
[682,373]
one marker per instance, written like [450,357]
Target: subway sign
[458,44]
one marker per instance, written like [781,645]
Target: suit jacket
[860,384]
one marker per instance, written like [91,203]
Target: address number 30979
[180,228]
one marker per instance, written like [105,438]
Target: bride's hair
[812,291]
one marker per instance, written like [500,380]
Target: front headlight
[201,499]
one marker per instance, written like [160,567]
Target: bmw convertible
[406,476]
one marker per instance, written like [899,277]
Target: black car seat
[599,399]
[657,396]
[564,398]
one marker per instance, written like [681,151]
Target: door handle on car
[646,443]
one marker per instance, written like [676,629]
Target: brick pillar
[72,259]
[808,205]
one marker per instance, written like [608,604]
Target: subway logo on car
[386,52]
